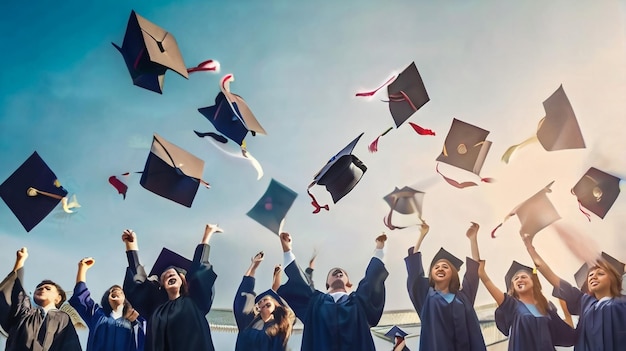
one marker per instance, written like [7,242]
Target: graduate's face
[337,279]
[441,272]
[266,305]
[46,294]
[170,280]
[522,282]
[598,280]
[116,297]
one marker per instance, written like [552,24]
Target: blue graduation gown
[527,332]
[26,326]
[341,326]
[598,329]
[445,326]
[249,338]
[178,324]
[105,332]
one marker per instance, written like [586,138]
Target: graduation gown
[445,326]
[250,338]
[341,326]
[105,332]
[26,325]
[601,325]
[180,324]
[527,332]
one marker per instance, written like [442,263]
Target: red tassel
[119,185]
[420,130]
[373,147]
[493,232]
[370,93]
[208,65]
[580,207]
[316,204]
[453,182]
[487,180]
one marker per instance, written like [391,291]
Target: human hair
[542,303]
[184,289]
[614,277]
[455,282]
[283,321]
[56,286]
[348,284]
[106,306]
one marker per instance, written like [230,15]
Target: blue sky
[65,93]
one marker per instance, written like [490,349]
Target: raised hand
[129,236]
[285,241]
[86,263]
[380,241]
[209,229]
[22,254]
[472,231]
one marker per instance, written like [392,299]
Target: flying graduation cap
[271,209]
[172,172]
[536,213]
[405,201]
[558,130]
[466,148]
[596,191]
[407,94]
[33,191]
[581,275]
[232,117]
[396,335]
[340,175]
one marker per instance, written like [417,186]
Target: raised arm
[424,228]
[13,298]
[201,277]
[81,297]
[83,267]
[144,294]
[296,291]
[371,290]
[541,265]
[278,269]
[470,279]
[20,259]
[243,304]
[417,284]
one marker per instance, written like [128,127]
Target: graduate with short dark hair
[42,327]
[445,308]
[338,319]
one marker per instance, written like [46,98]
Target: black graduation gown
[341,326]
[180,324]
[26,326]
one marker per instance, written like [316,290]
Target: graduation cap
[168,259]
[442,254]
[149,51]
[407,94]
[558,130]
[270,293]
[272,207]
[405,201]
[581,275]
[33,191]
[465,147]
[394,332]
[172,172]
[516,267]
[340,174]
[596,191]
[536,213]
[232,117]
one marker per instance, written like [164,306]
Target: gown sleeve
[143,293]
[82,302]
[505,313]
[416,283]
[296,291]
[243,305]
[561,332]
[572,297]
[470,280]
[16,301]
[371,291]
[201,279]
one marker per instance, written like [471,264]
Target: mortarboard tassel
[67,206]
[119,185]
[509,152]
[76,319]
[370,93]
[402,96]
[453,182]
[254,162]
[420,130]
[217,137]
[314,202]
[373,146]
[580,207]
[208,65]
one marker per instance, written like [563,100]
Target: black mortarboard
[581,275]
[149,51]
[407,94]
[442,254]
[272,207]
[515,267]
[32,191]
[395,331]
[168,259]
[342,172]
[597,191]
[536,213]
[271,293]
[558,130]
[405,201]
[231,115]
[172,172]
